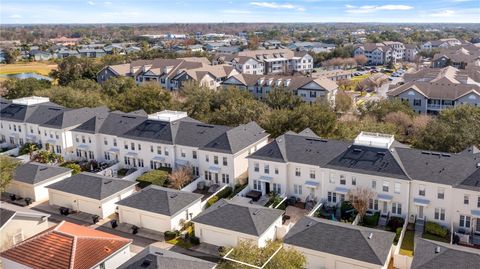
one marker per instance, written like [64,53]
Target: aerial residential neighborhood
[241,134]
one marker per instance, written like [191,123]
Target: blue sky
[166,11]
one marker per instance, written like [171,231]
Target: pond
[25,75]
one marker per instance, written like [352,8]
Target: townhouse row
[135,140]
[414,184]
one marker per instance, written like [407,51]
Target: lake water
[24,76]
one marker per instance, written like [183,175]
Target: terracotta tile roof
[66,246]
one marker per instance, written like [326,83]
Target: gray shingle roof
[155,258]
[70,118]
[5,216]
[117,123]
[370,160]
[21,113]
[247,219]
[341,239]
[152,130]
[160,200]
[296,148]
[237,139]
[91,185]
[33,173]
[197,134]
[449,257]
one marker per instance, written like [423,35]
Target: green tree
[18,88]
[248,252]
[114,86]
[233,107]
[149,97]
[343,101]
[7,169]
[197,101]
[28,148]
[73,68]
[379,109]
[11,55]
[69,97]
[280,98]
[452,131]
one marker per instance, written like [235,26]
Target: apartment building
[457,56]
[429,90]
[169,73]
[381,53]
[414,184]
[170,139]
[36,119]
[262,62]
[309,89]
[441,43]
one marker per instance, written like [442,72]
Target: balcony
[438,106]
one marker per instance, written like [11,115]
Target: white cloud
[15,16]
[107,3]
[275,5]
[443,13]
[91,3]
[373,8]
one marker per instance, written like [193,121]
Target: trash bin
[95,218]
[28,201]
[113,223]
[13,197]
[134,229]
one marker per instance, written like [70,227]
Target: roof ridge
[369,243]
[73,251]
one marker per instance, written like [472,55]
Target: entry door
[385,207]
[267,188]
[477,226]
[420,212]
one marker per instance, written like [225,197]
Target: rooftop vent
[370,236]
[310,224]
[107,182]
[437,250]
[256,212]
[173,195]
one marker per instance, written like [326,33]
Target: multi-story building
[458,56]
[262,62]
[411,52]
[429,90]
[167,72]
[381,53]
[414,184]
[309,89]
[170,139]
[36,119]
[441,43]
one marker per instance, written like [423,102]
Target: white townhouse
[36,119]
[414,184]
[263,62]
[309,89]
[316,169]
[170,139]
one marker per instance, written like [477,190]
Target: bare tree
[361,59]
[360,198]
[180,177]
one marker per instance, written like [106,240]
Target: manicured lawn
[39,68]
[408,243]
[436,238]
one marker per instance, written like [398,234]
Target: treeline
[453,130]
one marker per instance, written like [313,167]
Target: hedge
[169,235]
[371,221]
[155,177]
[397,235]
[225,193]
[435,229]
[394,223]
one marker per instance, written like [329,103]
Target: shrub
[75,167]
[371,221]
[169,235]
[394,223]
[224,193]
[397,236]
[194,240]
[212,201]
[155,177]
[436,229]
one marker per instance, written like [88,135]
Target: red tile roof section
[66,246]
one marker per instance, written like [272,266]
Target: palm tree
[31,148]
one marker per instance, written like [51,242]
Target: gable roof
[341,239]
[243,218]
[10,211]
[450,256]
[237,139]
[66,246]
[5,216]
[74,117]
[160,200]
[33,173]
[153,257]
[92,185]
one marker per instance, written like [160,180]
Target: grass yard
[436,238]
[39,68]
[408,243]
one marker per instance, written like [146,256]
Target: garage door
[218,238]
[344,265]
[130,217]
[156,224]
[61,200]
[88,207]
[315,262]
